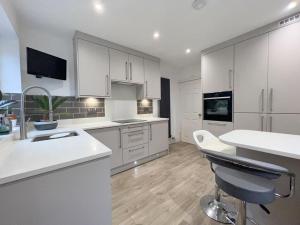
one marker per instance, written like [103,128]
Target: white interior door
[191,109]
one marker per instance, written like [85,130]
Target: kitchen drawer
[217,128]
[133,128]
[135,153]
[135,138]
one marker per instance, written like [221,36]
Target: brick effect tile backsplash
[70,109]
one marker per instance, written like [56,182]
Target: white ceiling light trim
[199,4]
[188,51]
[156,35]
[292,5]
[99,8]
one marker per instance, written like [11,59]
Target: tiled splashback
[72,108]
[145,106]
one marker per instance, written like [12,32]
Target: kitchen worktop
[274,143]
[23,158]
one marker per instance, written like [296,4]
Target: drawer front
[134,128]
[217,128]
[135,138]
[135,153]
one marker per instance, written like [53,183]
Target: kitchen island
[280,149]
[59,181]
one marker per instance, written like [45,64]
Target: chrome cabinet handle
[230,78]
[146,88]
[217,124]
[133,150]
[135,133]
[271,124]
[262,100]
[130,71]
[271,99]
[126,70]
[150,132]
[107,85]
[120,132]
[262,123]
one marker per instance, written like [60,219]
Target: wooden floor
[165,191]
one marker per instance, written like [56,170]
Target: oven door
[218,106]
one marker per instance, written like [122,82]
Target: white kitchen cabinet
[126,68]
[217,70]
[112,138]
[284,70]
[135,153]
[151,88]
[92,69]
[158,137]
[217,128]
[250,75]
[250,121]
[118,65]
[136,69]
[284,123]
[135,138]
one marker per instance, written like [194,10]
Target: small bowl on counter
[45,125]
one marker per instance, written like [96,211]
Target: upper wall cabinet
[284,70]
[152,80]
[92,69]
[217,70]
[126,68]
[250,75]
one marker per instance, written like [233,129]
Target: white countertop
[22,159]
[273,143]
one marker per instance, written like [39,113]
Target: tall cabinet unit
[92,69]
[250,83]
[284,80]
[217,70]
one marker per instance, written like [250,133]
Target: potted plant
[43,102]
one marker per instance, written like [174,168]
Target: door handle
[230,78]
[262,100]
[271,99]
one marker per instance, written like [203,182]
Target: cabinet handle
[262,123]
[146,88]
[271,99]
[134,133]
[133,150]
[126,70]
[107,85]
[217,124]
[230,78]
[271,124]
[120,132]
[150,132]
[130,71]
[262,100]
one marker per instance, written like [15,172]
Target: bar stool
[248,180]
[212,205]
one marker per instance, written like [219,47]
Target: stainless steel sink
[55,136]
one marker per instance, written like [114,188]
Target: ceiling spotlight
[188,51]
[98,7]
[156,35]
[292,5]
[199,4]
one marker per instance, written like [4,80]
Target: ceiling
[132,22]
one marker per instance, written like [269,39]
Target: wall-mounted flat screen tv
[42,64]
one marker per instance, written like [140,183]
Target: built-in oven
[218,106]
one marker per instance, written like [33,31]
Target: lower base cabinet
[284,123]
[135,153]
[112,138]
[217,128]
[250,121]
[158,137]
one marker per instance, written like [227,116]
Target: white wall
[190,72]
[11,14]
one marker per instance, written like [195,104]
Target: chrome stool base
[217,210]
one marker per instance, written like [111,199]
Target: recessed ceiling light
[199,4]
[188,51]
[292,5]
[98,7]
[156,35]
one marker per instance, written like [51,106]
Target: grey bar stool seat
[244,186]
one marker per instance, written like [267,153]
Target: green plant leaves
[43,102]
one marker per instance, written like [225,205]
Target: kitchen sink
[55,136]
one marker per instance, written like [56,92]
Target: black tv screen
[42,64]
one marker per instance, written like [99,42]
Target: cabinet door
[217,128]
[284,123]
[217,70]
[152,79]
[284,70]
[250,75]
[111,138]
[92,69]
[158,137]
[250,121]
[136,69]
[119,65]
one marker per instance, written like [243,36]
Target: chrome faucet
[23,129]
